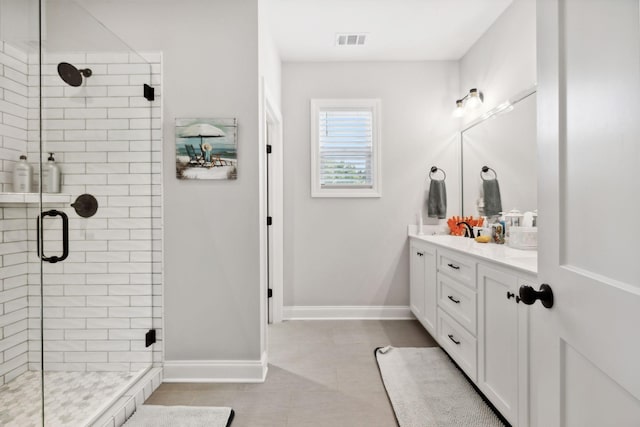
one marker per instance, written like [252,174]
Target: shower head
[71,75]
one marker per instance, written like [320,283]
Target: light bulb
[459,111]
[474,100]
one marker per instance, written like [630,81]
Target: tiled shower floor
[71,398]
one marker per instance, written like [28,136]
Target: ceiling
[397,30]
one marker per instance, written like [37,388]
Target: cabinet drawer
[459,343]
[458,266]
[458,301]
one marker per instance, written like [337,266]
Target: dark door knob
[528,295]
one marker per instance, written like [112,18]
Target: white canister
[22,176]
[524,237]
[513,218]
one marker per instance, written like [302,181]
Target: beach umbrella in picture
[203,130]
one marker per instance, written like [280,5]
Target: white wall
[269,57]
[19,24]
[353,251]
[212,304]
[502,62]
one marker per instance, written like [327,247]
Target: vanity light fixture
[471,100]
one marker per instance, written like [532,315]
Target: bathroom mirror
[503,139]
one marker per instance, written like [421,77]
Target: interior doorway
[274,209]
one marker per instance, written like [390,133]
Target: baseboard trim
[343,312]
[216,371]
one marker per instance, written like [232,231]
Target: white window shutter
[345,148]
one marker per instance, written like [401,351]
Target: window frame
[371,104]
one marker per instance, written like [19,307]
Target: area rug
[426,389]
[182,416]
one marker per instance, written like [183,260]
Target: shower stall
[80,269]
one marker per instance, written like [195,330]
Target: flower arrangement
[458,230]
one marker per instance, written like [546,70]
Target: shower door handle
[65,236]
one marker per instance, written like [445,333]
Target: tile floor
[71,398]
[321,373]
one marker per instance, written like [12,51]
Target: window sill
[345,193]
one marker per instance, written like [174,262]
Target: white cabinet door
[498,340]
[430,290]
[586,348]
[423,294]
[416,281]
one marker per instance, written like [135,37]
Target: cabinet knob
[420,253]
[510,295]
[528,295]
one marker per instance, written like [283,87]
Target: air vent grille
[350,39]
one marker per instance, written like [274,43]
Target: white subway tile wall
[99,303]
[14,103]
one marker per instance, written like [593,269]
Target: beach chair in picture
[217,161]
[194,159]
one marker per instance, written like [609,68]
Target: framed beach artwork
[206,148]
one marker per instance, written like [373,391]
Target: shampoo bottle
[51,176]
[22,176]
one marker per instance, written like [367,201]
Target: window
[345,148]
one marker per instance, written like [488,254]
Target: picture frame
[206,148]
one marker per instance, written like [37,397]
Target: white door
[585,360]
[270,234]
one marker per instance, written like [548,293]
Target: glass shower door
[93,258]
[20,379]
[77,283]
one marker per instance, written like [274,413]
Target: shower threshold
[71,398]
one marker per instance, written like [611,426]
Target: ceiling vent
[350,39]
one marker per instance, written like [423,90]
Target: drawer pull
[420,253]
[457,301]
[453,339]
[455,267]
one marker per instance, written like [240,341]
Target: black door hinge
[149,92]
[150,337]
[269,293]
[269,220]
[268,149]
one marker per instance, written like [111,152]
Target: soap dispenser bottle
[51,176]
[22,176]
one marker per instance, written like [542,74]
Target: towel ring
[434,170]
[486,169]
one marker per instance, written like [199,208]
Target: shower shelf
[33,198]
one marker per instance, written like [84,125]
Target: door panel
[601,63]
[592,396]
[584,350]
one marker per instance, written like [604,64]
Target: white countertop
[501,254]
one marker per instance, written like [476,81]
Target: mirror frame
[500,109]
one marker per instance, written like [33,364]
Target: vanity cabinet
[423,284]
[469,303]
